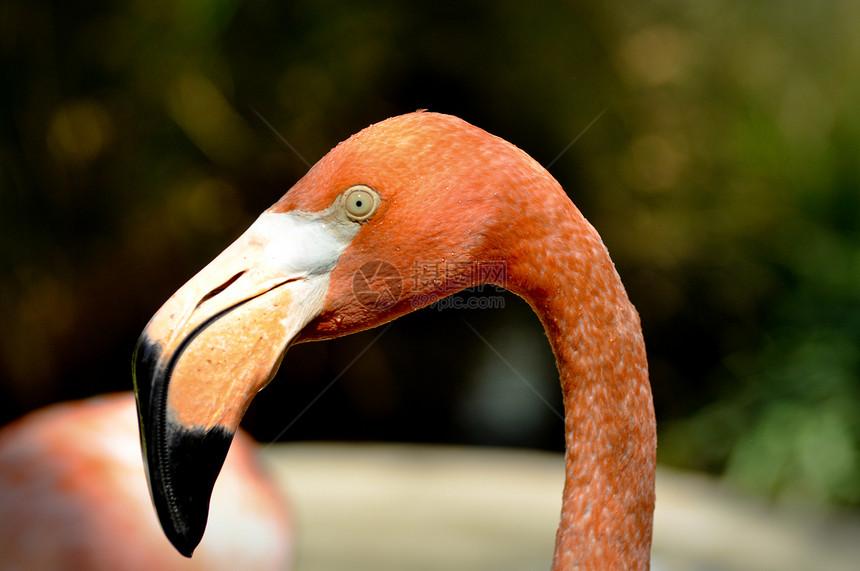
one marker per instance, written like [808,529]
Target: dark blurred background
[721,166]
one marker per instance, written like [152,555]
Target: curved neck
[561,267]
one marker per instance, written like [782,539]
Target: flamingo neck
[563,270]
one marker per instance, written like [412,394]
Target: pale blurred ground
[378,507]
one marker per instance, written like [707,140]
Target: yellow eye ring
[360,202]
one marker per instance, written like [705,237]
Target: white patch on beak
[298,244]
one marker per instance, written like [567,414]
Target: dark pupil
[358,203]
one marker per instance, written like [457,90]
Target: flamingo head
[390,220]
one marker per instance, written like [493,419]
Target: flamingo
[73,496]
[412,191]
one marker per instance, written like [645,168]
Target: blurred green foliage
[723,174]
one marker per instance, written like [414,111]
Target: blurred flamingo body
[414,191]
[73,496]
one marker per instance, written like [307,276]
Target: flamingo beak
[214,344]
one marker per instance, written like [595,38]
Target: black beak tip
[185,544]
[181,462]
[182,483]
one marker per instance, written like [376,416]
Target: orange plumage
[448,193]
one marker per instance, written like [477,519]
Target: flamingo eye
[360,202]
